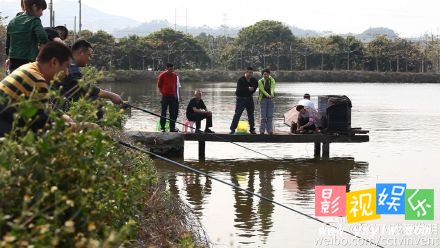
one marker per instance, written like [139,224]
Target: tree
[2,39]
[336,47]
[103,46]
[178,48]
[354,48]
[265,44]
[320,46]
[213,45]
[379,49]
[133,53]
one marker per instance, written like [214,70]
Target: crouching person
[306,122]
[31,82]
[197,111]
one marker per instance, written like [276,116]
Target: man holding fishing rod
[246,87]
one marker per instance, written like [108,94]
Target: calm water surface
[403,120]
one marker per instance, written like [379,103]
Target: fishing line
[213,134]
[242,189]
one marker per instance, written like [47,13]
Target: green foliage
[70,189]
[266,43]
[178,48]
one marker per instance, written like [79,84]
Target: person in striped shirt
[31,82]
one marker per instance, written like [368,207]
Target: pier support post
[317,150]
[325,150]
[201,150]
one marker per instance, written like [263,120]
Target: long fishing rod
[241,189]
[217,136]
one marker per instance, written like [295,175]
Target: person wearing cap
[306,102]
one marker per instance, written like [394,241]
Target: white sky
[407,17]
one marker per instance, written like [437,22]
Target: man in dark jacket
[246,87]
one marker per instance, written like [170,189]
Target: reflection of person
[246,86]
[306,122]
[306,102]
[32,81]
[24,34]
[70,87]
[167,84]
[197,111]
[266,90]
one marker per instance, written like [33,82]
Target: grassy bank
[79,188]
[284,76]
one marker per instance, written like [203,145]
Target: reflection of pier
[358,136]
[253,216]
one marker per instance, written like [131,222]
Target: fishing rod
[217,136]
[242,189]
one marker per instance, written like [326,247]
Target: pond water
[403,120]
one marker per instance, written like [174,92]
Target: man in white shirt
[306,102]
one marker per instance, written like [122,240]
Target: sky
[409,18]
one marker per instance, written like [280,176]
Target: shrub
[71,189]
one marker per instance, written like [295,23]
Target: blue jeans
[266,108]
[241,104]
[171,103]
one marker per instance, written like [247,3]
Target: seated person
[306,122]
[306,102]
[197,111]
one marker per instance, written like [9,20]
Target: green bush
[71,189]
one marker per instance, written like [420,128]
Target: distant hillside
[156,25]
[371,33]
[65,12]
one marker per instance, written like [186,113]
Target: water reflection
[290,182]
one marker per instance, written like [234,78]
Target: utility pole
[51,19]
[74,30]
[175,19]
[79,21]
[186,20]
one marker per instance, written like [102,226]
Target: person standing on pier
[266,90]
[167,84]
[246,87]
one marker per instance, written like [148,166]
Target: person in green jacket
[266,89]
[24,34]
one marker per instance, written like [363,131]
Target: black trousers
[241,104]
[198,117]
[15,63]
[169,102]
